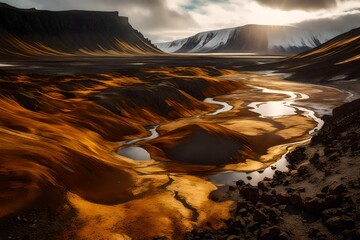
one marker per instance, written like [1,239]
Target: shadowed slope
[67,33]
[204,144]
[55,130]
[337,59]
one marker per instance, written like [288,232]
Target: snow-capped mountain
[265,39]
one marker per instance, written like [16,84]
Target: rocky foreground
[317,199]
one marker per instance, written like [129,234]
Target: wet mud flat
[99,65]
[68,129]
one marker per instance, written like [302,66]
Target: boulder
[296,200]
[303,170]
[262,186]
[240,183]
[334,224]
[283,236]
[269,233]
[328,213]
[268,198]
[314,158]
[314,205]
[332,201]
[337,224]
[336,188]
[260,216]
[296,156]
[313,232]
[243,212]
[250,193]
[283,198]
[239,222]
[279,175]
[242,204]
[274,214]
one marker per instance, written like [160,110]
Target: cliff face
[31,32]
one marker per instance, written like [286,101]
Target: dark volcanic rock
[268,198]
[262,186]
[328,213]
[296,200]
[240,183]
[296,156]
[274,214]
[270,233]
[260,216]
[283,198]
[250,193]
[314,205]
[336,188]
[339,223]
[332,201]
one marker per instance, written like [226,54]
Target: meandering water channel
[273,109]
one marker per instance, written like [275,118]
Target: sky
[165,20]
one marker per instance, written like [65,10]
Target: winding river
[265,109]
[272,109]
[140,154]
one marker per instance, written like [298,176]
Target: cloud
[165,20]
[336,24]
[148,16]
[298,4]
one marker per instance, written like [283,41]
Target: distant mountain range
[263,39]
[31,32]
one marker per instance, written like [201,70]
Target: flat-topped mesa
[31,32]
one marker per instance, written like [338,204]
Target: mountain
[31,32]
[337,59]
[265,39]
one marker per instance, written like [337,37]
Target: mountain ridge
[340,57]
[250,38]
[31,33]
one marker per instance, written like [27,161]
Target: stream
[140,154]
[265,109]
[272,109]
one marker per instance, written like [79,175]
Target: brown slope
[203,144]
[337,58]
[31,32]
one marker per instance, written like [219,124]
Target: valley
[223,111]
[248,132]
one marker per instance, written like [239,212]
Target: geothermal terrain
[105,136]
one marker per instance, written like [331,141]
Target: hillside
[31,32]
[337,59]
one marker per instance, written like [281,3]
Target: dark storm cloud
[164,20]
[146,15]
[298,4]
[337,24]
[154,14]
